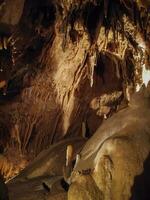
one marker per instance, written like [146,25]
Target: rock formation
[68,70]
[115,154]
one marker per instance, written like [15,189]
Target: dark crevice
[91,17]
[43,15]
[46,187]
[3,189]
[4,135]
[141,187]
[64,185]
[100,66]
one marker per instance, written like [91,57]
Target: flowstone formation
[71,69]
[117,154]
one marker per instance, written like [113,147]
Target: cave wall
[67,73]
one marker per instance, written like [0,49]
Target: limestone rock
[84,188]
[117,151]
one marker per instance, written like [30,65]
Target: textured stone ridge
[116,153]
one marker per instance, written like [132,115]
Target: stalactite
[106,38]
[106,4]
[92,63]
[110,20]
[134,8]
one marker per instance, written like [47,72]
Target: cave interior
[75,99]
